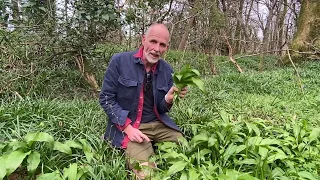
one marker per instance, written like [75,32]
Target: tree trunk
[238,28]
[86,72]
[15,10]
[185,35]
[307,36]
[266,34]
[282,40]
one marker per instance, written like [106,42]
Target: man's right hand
[135,134]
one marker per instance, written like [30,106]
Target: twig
[59,53]
[249,55]
[277,50]
[231,54]
[18,95]
[294,66]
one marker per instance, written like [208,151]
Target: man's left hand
[170,95]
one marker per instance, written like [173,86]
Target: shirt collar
[138,58]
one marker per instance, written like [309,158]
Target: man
[137,93]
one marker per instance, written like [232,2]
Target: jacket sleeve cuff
[168,105]
[121,128]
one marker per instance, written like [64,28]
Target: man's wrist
[127,128]
[166,99]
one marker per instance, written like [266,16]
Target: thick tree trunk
[266,34]
[239,28]
[281,26]
[15,10]
[86,72]
[307,37]
[185,35]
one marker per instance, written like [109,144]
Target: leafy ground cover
[262,125]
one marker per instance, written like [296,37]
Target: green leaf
[189,110]
[80,174]
[71,172]
[232,174]
[269,142]
[165,146]
[296,130]
[62,147]
[284,178]
[199,83]
[177,167]
[2,167]
[306,175]
[229,151]
[33,161]
[204,152]
[39,137]
[89,156]
[301,146]
[178,77]
[246,177]
[212,141]
[277,172]
[253,127]
[314,134]
[182,141]
[193,175]
[276,156]
[14,160]
[50,176]
[240,148]
[263,152]
[183,176]
[15,144]
[87,169]
[105,17]
[254,140]
[203,137]
[73,144]
[2,146]
[174,154]
[247,161]
[225,116]
[196,72]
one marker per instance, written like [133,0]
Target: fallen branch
[294,66]
[231,54]
[277,50]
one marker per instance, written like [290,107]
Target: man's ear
[167,47]
[143,38]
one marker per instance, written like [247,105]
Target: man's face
[155,44]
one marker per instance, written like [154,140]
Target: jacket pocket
[166,89]
[162,91]
[127,88]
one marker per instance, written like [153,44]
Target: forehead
[159,34]
[159,38]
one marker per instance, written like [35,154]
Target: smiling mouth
[155,55]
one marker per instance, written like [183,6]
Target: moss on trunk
[307,37]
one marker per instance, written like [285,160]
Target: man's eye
[153,42]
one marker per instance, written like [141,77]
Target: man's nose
[157,47]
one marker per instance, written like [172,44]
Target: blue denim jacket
[120,93]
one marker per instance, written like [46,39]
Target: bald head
[159,30]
